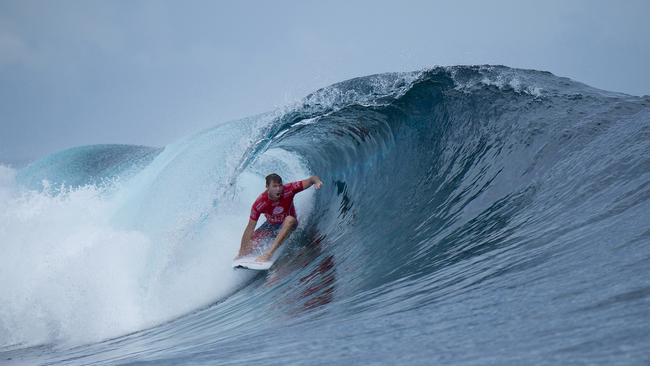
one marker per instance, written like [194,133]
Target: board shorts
[266,230]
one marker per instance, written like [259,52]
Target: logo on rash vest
[278,210]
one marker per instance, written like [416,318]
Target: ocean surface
[470,215]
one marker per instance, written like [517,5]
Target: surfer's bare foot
[263,258]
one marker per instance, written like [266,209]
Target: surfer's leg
[288,225]
[261,232]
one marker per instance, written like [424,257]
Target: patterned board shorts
[267,230]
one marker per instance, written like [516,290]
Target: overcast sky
[148,72]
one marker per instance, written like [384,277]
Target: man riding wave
[276,203]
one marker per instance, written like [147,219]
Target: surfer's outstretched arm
[313,180]
[246,239]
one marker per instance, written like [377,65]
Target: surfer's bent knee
[290,220]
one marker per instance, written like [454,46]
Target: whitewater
[470,215]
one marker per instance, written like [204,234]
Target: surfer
[276,203]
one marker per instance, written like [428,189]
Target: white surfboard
[251,263]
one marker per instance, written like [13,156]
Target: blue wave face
[95,164]
[469,215]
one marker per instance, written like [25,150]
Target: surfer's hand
[318,183]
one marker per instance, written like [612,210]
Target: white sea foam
[84,264]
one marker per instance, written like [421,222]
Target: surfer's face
[275,190]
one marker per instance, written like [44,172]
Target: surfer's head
[274,186]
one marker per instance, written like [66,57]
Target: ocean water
[470,215]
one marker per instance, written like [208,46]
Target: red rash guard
[276,211]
